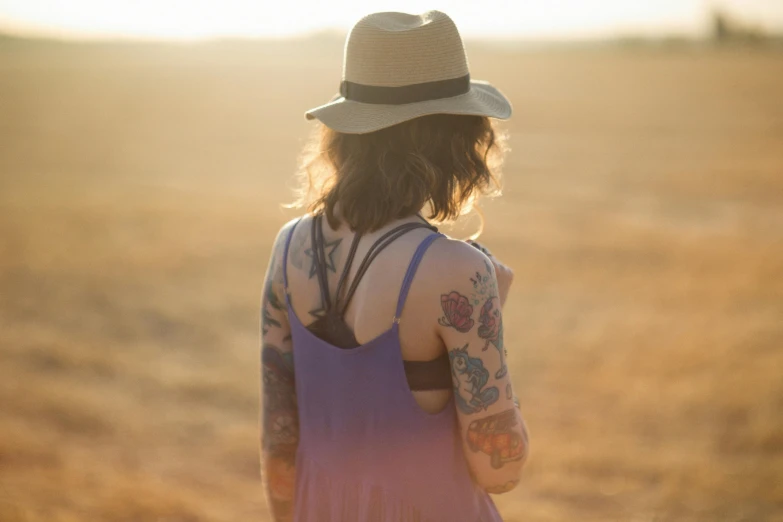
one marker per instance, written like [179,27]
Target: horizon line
[340,34]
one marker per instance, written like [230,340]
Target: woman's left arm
[280,422]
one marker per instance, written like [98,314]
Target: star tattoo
[330,247]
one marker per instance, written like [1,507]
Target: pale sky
[530,19]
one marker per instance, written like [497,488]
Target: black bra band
[416,92]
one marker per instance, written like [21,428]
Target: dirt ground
[140,190]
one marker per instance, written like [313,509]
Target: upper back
[371,311]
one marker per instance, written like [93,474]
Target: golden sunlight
[197,19]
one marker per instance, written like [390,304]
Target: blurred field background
[140,191]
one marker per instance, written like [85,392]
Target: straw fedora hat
[399,66]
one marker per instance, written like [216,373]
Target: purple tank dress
[367,451]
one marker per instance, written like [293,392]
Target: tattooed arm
[495,439]
[280,423]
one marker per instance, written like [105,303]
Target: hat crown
[398,49]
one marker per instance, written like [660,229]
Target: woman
[386,393]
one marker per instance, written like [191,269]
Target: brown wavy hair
[368,180]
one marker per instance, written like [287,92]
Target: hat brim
[353,117]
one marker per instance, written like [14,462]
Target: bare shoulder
[285,231]
[451,260]
[278,248]
[452,265]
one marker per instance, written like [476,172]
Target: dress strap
[414,265]
[285,255]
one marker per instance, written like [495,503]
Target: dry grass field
[140,189]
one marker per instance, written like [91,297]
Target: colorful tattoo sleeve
[496,437]
[280,420]
[457,312]
[491,330]
[470,382]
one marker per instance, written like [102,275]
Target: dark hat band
[417,92]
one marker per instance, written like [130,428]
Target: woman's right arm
[493,432]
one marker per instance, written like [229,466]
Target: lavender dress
[367,451]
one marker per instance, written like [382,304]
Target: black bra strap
[376,248]
[321,268]
[434,374]
[316,246]
[347,269]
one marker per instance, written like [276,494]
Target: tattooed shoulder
[458,313]
[297,248]
[483,284]
[302,254]
[331,249]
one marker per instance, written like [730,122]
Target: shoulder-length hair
[367,180]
